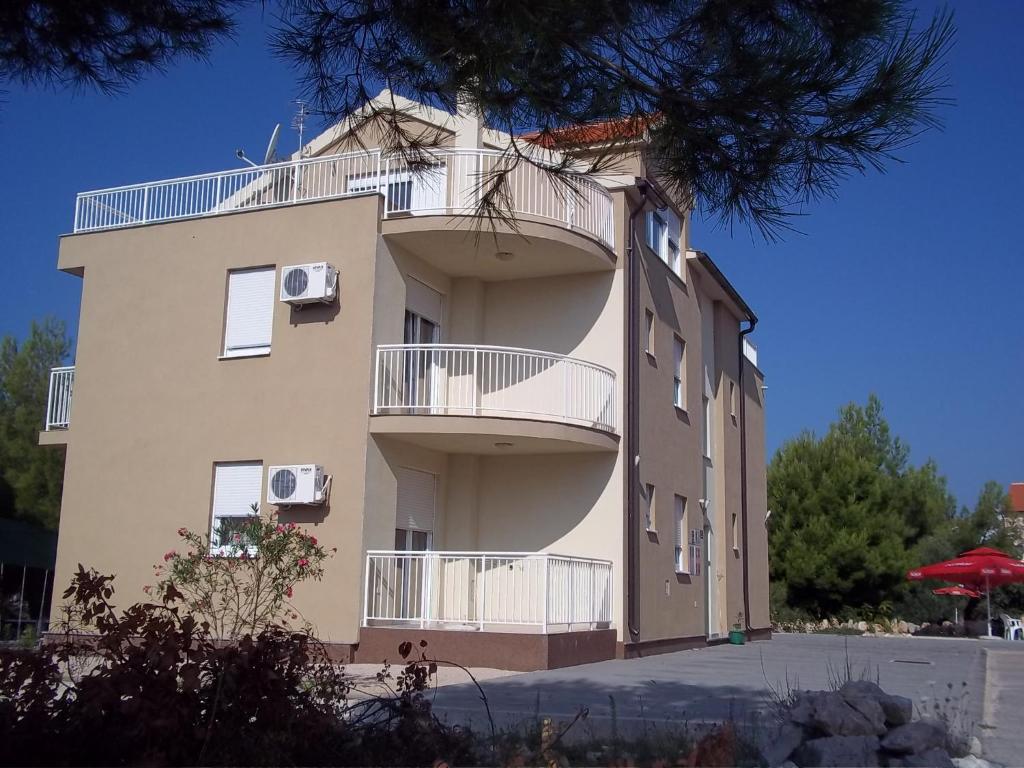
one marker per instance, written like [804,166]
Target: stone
[912,628]
[971,761]
[834,717]
[902,627]
[862,626]
[899,710]
[974,746]
[871,710]
[914,738]
[839,751]
[782,745]
[802,710]
[931,758]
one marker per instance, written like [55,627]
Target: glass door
[421,365]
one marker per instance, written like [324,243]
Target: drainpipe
[633,414]
[743,474]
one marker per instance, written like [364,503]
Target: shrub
[243,582]
[151,686]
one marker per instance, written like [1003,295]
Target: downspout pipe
[633,414]
[743,471]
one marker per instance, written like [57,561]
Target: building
[544,447]
[1014,516]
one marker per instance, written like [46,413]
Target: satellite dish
[272,145]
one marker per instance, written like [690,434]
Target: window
[732,399]
[657,231]
[735,533]
[706,437]
[649,511]
[649,320]
[664,232]
[680,536]
[679,380]
[237,487]
[250,313]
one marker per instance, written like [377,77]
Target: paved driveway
[737,681]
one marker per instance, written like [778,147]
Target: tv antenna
[299,121]
[271,154]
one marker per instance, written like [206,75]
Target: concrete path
[1002,728]
[738,682]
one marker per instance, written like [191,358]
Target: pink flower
[288,592]
[303,562]
[183,532]
[279,529]
[169,555]
[312,540]
[291,526]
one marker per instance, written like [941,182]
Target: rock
[912,628]
[931,758]
[782,745]
[862,626]
[898,709]
[871,710]
[802,710]
[971,761]
[914,738]
[823,624]
[839,751]
[902,627]
[974,746]
[834,717]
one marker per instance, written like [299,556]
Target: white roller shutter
[423,300]
[416,492]
[250,313]
[673,257]
[236,487]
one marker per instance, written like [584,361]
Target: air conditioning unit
[296,484]
[309,283]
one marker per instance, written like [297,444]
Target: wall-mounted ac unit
[309,283]
[296,484]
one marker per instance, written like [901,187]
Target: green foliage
[242,583]
[849,513]
[33,475]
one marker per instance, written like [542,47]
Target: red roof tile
[590,133]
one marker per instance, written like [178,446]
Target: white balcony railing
[466,380]
[58,398]
[486,590]
[450,183]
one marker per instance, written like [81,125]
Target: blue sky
[908,285]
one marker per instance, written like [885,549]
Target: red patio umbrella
[956,592]
[980,569]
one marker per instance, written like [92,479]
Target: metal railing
[468,380]
[450,182]
[479,590]
[58,398]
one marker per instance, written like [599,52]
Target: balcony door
[414,533]
[422,366]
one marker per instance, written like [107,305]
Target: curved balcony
[486,399]
[452,183]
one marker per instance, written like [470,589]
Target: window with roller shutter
[249,319]
[237,487]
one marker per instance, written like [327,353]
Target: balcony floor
[482,434]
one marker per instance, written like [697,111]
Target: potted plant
[736,634]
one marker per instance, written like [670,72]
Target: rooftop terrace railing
[450,182]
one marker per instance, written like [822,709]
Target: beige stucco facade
[156,405]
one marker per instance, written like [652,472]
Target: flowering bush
[240,581]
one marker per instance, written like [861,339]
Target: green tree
[849,513]
[33,475]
